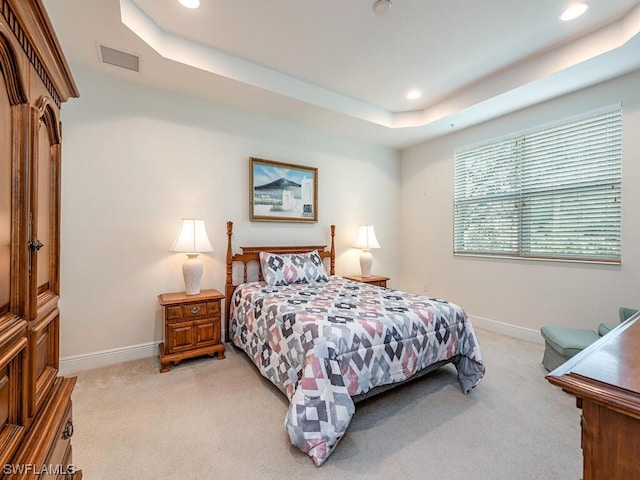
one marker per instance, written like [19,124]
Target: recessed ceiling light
[190,3]
[414,94]
[382,6]
[574,11]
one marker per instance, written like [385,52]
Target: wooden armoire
[35,402]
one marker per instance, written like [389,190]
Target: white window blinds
[552,193]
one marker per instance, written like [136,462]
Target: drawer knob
[68,430]
[195,309]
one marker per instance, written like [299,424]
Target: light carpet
[213,419]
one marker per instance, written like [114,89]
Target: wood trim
[20,206]
[11,71]
[251,254]
[47,113]
[15,334]
[611,396]
[10,438]
[33,30]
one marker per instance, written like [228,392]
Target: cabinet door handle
[68,430]
[194,310]
[35,245]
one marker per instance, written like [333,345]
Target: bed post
[332,264]
[228,287]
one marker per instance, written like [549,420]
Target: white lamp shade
[366,239]
[192,237]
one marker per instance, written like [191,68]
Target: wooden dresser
[36,422]
[605,378]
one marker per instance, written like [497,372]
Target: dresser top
[609,367]
[615,360]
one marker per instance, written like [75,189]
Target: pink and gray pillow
[288,268]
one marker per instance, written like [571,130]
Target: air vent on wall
[119,58]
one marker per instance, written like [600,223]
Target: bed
[327,342]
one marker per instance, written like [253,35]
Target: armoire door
[44,248]
[13,327]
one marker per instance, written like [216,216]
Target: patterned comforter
[323,342]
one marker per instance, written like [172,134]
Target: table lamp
[192,240]
[366,240]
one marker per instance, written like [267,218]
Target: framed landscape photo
[282,192]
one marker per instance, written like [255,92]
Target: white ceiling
[337,66]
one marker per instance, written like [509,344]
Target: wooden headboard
[251,254]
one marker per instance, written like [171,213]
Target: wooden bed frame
[251,254]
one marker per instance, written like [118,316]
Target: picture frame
[282,192]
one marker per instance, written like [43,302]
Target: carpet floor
[209,419]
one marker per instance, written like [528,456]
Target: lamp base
[366,262]
[192,272]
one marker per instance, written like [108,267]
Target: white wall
[524,294]
[135,161]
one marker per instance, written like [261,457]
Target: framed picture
[282,192]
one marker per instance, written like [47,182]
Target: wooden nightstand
[373,279]
[191,326]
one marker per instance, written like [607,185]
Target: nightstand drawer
[213,308]
[194,310]
[174,313]
[185,313]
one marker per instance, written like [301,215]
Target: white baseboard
[507,329]
[75,363]
[86,361]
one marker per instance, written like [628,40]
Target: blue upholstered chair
[562,343]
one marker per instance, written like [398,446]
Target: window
[552,193]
